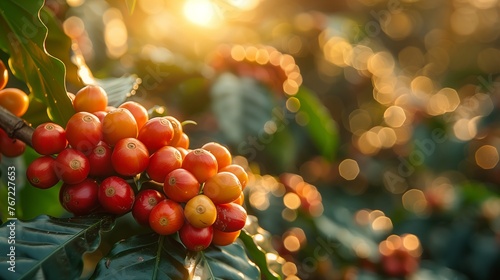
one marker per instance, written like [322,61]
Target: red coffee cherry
[156,133]
[100,161]
[144,203]
[71,166]
[230,217]
[83,131]
[162,162]
[194,238]
[81,198]
[166,217]
[41,174]
[11,147]
[49,138]
[201,163]
[180,185]
[129,157]
[115,195]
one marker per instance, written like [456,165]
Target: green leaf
[148,256]
[241,105]
[320,125]
[60,45]
[342,238]
[118,89]
[36,114]
[258,255]
[22,36]
[49,248]
[153,256]
[226,262]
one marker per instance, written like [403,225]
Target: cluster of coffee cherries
[16,102]
[117,160]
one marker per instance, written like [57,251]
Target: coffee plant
[219,139]
[110,164]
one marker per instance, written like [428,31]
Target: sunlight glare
[200,12]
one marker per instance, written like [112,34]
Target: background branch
[15,126]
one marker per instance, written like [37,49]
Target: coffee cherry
[11,147]
[83,131]
[183,141]
[239,172]
[129,157]
[118,124]
[162,162]
[138,111]
[194,238]
[221,238]
[221,154]
[115,195]
[100,115]
[166,217]
[177,127]
[224,187]
[144,203]
[90,98]
[201,163]
[81,198]
[100,161]
[180,185]
[14,100]
[49,138]
[230,217]
[183,152]
[240,200]
[156,133]
[41,174]
[200,211]
[71,166]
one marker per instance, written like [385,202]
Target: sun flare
[200,12]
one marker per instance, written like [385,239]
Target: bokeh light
[465,129]
[487,157]
[414,200]
[349,169]
[292,201]
[406,242]
[382,224]
[362,217]
[289,268]
[115,33]
[395,116]
[200,12]
[75,3]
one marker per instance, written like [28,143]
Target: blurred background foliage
[370,126]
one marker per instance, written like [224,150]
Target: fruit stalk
[15,126]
